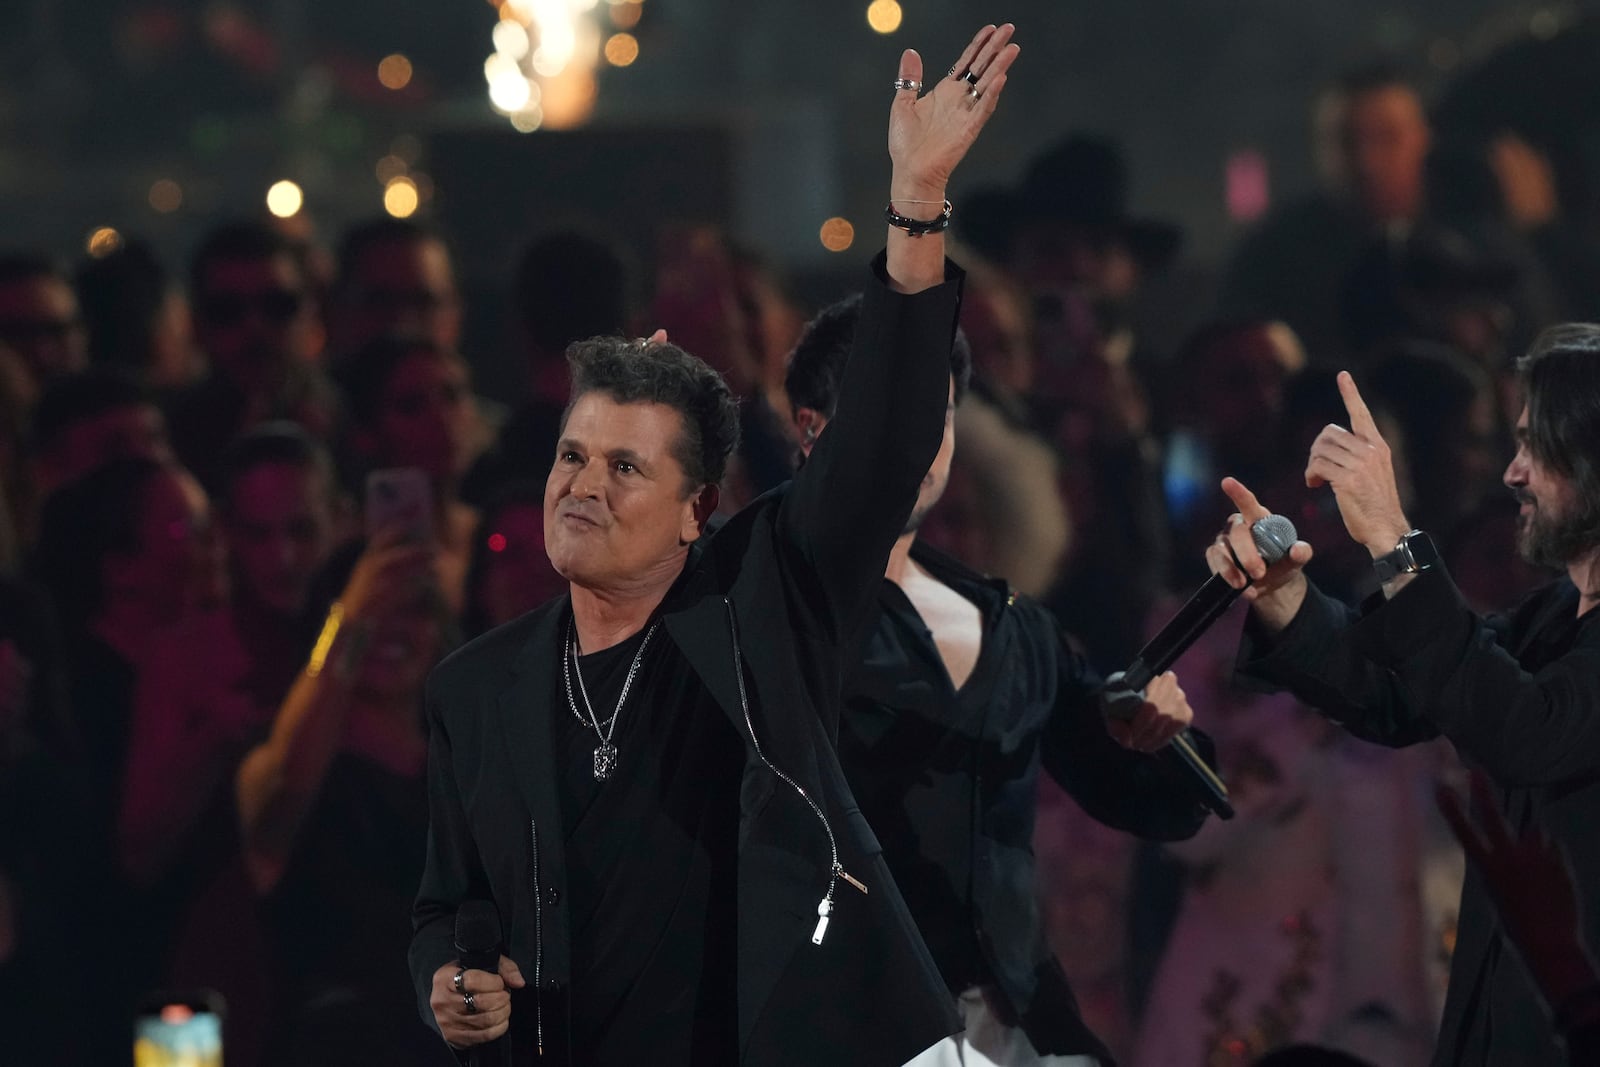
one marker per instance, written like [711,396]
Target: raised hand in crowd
[278,781]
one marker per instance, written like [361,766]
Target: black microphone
[1274,535]
[478,949]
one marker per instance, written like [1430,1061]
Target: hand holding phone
[400,497]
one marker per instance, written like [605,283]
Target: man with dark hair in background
[256,319]
[85,421]
[39,318]
[961,693]
[1372,139]
[1518,694]
[569,286]
[681,872]
[396,276]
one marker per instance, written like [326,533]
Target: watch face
[1419,551]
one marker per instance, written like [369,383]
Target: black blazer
[776,591]
[1519,696]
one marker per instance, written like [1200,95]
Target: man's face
[426,418]
[1552,519]
[170,569]
[279,528]
[405,645]
[400,287]
[135,432]
[40,322]
[618,510]
[255,319]
[1380,142]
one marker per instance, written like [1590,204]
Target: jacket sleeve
[451,871]
[851,499]
[1524,728]
[1318,659]
[1142,793]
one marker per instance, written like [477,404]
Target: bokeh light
[400,198]
[166,196]
[885,16]
[837,234]
[285,199]
[391,167]
[395,71]
[102,242]
[622,49]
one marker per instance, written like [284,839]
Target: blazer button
[552,896]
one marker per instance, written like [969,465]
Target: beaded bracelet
[918,227]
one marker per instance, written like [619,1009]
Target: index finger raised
[1362,423]
[1249,507]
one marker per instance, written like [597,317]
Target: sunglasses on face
[276,306]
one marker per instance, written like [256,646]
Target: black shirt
[913,763]
[651,862]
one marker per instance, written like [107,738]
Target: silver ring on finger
[973,95]
[469,1003]
[907,83]
[456,982]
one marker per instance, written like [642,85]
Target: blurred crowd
[185,491]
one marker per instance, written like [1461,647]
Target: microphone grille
[1274,535]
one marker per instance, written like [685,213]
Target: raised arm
[852,498]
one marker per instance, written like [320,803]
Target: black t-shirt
[651,862]
[911,746]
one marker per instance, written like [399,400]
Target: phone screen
[403,497]
[178,1034]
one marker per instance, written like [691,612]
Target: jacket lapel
[524,711]
[701,632]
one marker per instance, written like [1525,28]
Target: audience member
[39,318]
[1226,401]
[409,404]
[123,553]
[137,318]
[256,320]
[509,574]
[396,276]
[333,806]
[568,287]
[88,420]
[1372,138]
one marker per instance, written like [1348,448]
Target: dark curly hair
[816,366]
[645,372]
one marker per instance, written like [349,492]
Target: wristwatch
[1414,553]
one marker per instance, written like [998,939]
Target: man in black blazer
[1518,694]
[961,693]
[641,776]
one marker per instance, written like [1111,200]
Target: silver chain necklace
[605,756]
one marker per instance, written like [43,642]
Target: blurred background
[158,117]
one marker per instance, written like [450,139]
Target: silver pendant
[605,761]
